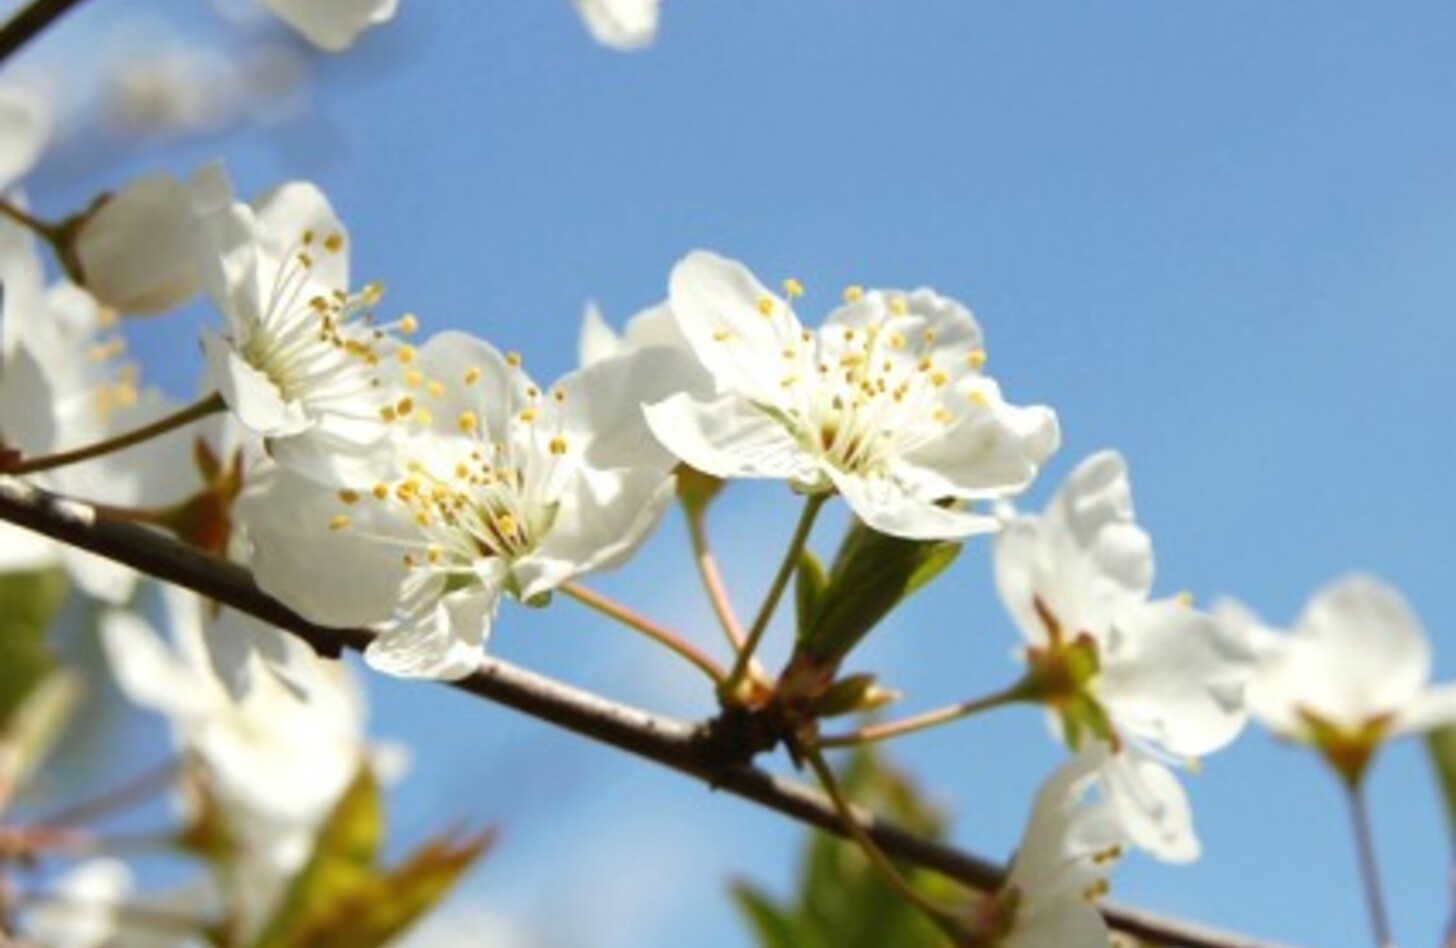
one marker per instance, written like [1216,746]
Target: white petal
[1174,677]
[291,211]
[477,378]
[84,915]
[597,341]
[717,302]
[1433,708]
[602,406]
[1376,655]
[227,261]
[446,642]
[1151,806]
[249,393]
[728,437]
[886,506]
[25,126]
[147,672]
[987,453]
[138,251]
[333,25]
[599,525]
[338,577]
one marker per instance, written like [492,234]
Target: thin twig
[24,25]
[695,750]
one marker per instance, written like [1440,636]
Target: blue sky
[1218,237]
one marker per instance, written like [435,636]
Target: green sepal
[872,574]
[1441,746]
[809,583]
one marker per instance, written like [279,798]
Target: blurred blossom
[137,251]
[25,127]
[624,25]
[1353,673]
[331,25]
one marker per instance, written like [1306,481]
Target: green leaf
[841,901]
[36,724]
[28,604]
[344,899]
[1441,744]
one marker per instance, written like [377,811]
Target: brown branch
[29,21]
[707,751]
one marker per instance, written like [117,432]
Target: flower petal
[728,437]
[444,643]
[1151,806]
[885,505]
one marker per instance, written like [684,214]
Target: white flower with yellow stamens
[497,487]
[886,404]
[299,361]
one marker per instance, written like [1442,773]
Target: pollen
[977,398]
[766,305]
[938,378]
[334,242]
[558,445]
[306,238]
[506,525]
[381,491]
[898,306]
[435,388]
[513,359]
[338,522]
[405,405]
[472,375]
[468,421]
[528,415]
[977,358]
[413,378]
[793,289]
[349,496]
[409,324]
[406,354]
[722,335]
[853,293]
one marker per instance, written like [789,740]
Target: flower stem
[198,410]
[875,855]
[929,719]
[24,25]
[712,578]
[1369,869]
[635,620]
[29,221]
[137,790]
[812,504]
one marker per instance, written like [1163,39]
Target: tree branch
[29,21]
[699,750]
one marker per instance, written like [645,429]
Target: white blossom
[624,25]
[498,487]
[1156,680]
[1059,871]
[1353,672]
[886,404]
[333,25]
[25,128]
[298,362]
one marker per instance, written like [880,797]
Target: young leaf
[28,603]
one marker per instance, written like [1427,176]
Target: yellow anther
[405,354]
[1185,599]
[942,415]
[468,421]
[897,340]
[422,518]
[853,293]
[307,238]
[423,416]
[381,491]
[409,324]
[898,306]
[462,471]
[349,496]
[558,395]
[371,294]
[505,525]
[334,242]
[513,359]
[413,378]
[338,522]
[528,415]
[405,405]
[387,413]
[977,397]
[435,388]
[472,375]
[435,554]
[938,378]
[558,445]
[928,335]
[305,259]
[722,335]
[319,304]
[977,358]
[793,289]
[766,305]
